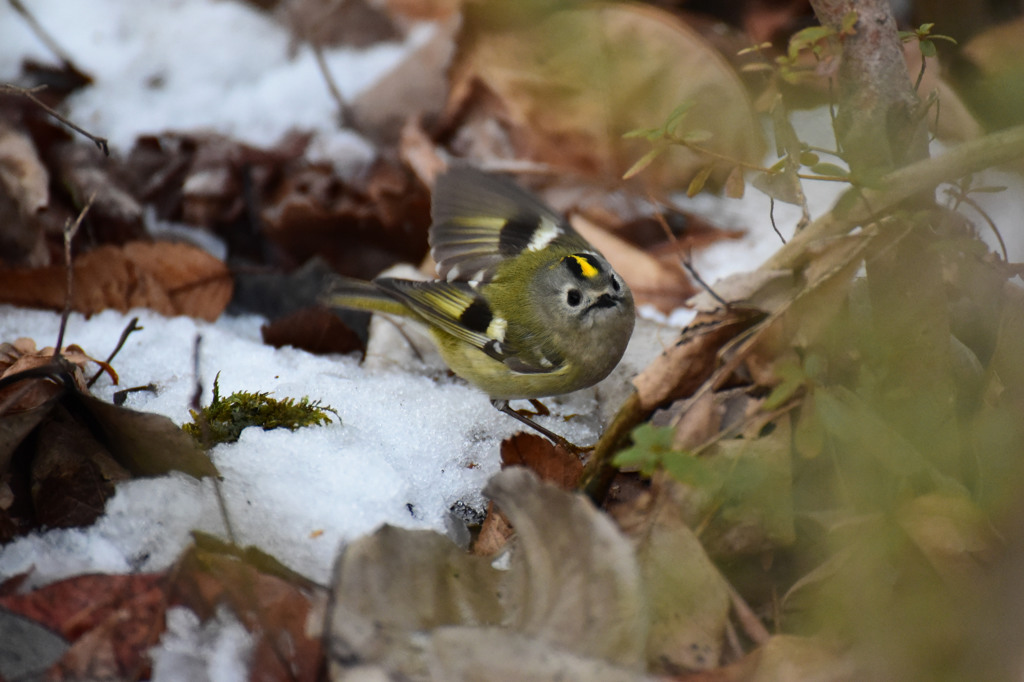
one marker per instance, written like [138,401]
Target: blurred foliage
[883,461]
[854,467]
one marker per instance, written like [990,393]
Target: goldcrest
[525,307]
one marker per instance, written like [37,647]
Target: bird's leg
[502,406]
[539,409]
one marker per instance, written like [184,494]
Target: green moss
[224,418]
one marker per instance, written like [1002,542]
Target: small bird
[524,308]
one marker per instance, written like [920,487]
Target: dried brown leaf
[420,153]
[550,462]
[568,84]
[115,216]
[424,9]
[495,532]
[275,610]
[414,88]
[197,284]
[72,474]
[358,231]
[112,620]
[144,443]
[316,330]
[354,23]
[681,369]
[16,425]
[172,279]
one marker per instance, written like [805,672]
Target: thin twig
[988,219]
[967,157]
[690,270]
[132,327]
[121,396]
[832,110]
[204,428]
[344,111]
[752,625]
[70,229]
[100,142]
[41,33]
[732,640]
[687,260]
[771,216]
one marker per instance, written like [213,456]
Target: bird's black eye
[573,297]
[615,283]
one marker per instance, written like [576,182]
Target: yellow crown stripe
[586,269]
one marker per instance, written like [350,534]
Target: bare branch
[969,157]
[344,111]
[133,326]
[43,36]
[100,142]
[70,230]
[877,122]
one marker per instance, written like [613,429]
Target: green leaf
[650,446]
[650,134]
[686,468]
[830,169]
[811,34]
[642,132]
[779,186]
[927,48]
[809,159]
[846,202]
[807,37]
[793,379]
[698,181]
[754,48]
[677,115]
[697,136]
[735,184]
[846,27]
[645,161]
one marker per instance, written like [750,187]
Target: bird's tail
[345,292]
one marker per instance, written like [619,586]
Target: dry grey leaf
[413,605]
[574,582]
[689,597]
